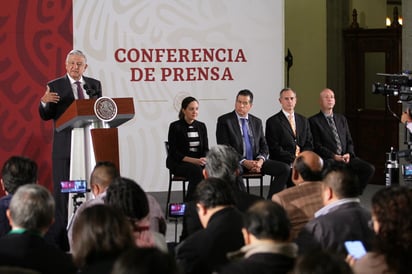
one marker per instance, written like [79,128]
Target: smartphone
[176,210]
[355,248]
[73,186]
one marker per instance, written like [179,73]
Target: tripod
[76,205]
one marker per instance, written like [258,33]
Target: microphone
[91,91]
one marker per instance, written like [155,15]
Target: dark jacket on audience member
[205,251]
[30,250]
[346,222]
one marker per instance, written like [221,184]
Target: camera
[396,85]
[176,210]
[73,186]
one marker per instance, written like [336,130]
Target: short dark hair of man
[213,192]
[305,171]
[145,260]
[18,171]
[267,220]
[128,197]
[110,173]
[32,208]
[222,162]
[246,92]
[341,179]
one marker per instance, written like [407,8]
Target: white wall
[254,28]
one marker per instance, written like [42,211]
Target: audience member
[188,144]
[102,176]
[100,234]
[341,219]
[59,95]
[30,214]
[205,251]
[268,250]
[392,223]
[321,262]
[287,132]
[303,201]
[16,171]
[128,197]
[244,132]
[333,141]
[221,162]
[145,261]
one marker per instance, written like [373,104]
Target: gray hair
[78,53]
[32,207]
[222,162]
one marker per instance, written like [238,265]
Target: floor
[174,226]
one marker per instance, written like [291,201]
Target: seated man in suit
[244,132]
[342,218]
[333,141]
[205,251]
[303,201]
[287,133]
[31,213]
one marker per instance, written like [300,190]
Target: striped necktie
[332,125]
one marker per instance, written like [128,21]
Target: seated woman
[128,197]
[188,144]
[100,234]
[392,223]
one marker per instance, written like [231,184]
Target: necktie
[248,145]
[79,90]
[292,124]
[335,134]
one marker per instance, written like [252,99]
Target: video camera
[396,85]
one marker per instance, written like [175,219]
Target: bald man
[301,202]
[338,145]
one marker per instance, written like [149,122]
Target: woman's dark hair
[100,230]
[392,209]
[127,196]
[185,103]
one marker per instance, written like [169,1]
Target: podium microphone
[92,92]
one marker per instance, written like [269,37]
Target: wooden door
[374,129]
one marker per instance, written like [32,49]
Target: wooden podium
[104,135]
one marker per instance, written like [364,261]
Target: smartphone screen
[176,209]
[355,248]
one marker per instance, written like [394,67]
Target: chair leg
[261,186]
[168,197]
[184,191]
[247,185]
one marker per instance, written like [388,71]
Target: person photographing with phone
[392,247]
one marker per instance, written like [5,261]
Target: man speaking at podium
[60,93]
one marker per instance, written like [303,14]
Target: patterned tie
[292,124]
[79,90]
[248,146]
[332,125]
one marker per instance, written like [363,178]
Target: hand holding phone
[355,248]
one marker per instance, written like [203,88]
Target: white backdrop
[252,31]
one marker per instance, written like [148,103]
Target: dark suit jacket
[324,142]
[346,222]
[178,142]
[62,139]
[205,250]
[281,141]
[228,133]
[32,251]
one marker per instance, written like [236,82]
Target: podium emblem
[105,109]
